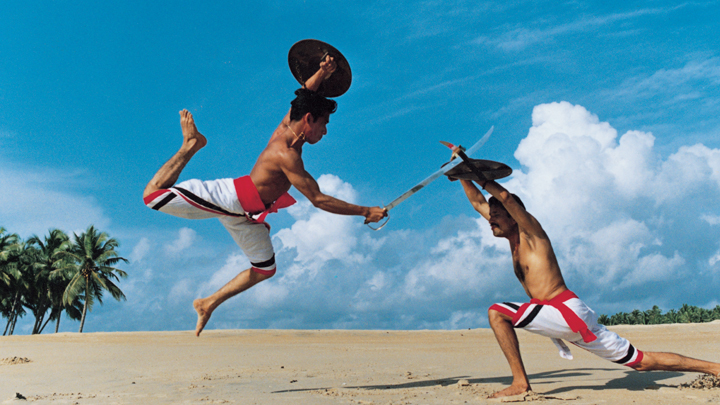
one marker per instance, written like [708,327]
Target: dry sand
[335,367]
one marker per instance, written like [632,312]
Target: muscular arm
[526,222]
[477,199]
[327,67]
[294,169]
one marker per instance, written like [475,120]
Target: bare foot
[512,390]
[203,312]
[193,140]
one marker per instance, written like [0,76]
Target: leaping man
[241,204]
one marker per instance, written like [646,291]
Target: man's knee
[496,317]
[261,275]
[497,313]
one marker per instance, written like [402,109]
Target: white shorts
[546,320]
[196,199]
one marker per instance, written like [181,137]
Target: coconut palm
[90,261]
[48,287]
[20,257]
[8,274]
[6,241]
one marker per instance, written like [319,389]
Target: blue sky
[606,111]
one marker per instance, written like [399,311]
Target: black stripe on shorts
[266,263]
[164,201]
[525,322]
[206,204]
[628,356]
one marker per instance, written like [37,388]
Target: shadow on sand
[632,381]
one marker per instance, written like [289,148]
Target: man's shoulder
[279,152]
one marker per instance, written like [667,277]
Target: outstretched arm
[527,223]
[294,169]
[477,199]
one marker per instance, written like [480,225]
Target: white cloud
[318,236]
[711,219]
[34,200]
[655,267]
[520,38]
[609,205]
[186,238]
[682,82]
[460,263]
[234,264]
[624,222]
[182,291]
[141,249]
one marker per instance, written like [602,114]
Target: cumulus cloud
[318,236]
[141,249]
[630,227]
[185,239]
[610,204]
[624,221]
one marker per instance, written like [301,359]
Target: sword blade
[439,173]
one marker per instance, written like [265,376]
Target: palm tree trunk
[57,324]
[12,327]
[82,320]
[87,291]
[7,326]
[46,322]
[13,315]
[38,323]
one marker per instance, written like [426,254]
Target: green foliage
[89,264]
[56,275]
[654,316]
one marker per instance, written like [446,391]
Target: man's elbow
[319,201]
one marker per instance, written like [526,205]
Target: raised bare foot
[193,140]
[512,390]
[203,312]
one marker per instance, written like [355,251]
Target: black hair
[308,101]
[494,201]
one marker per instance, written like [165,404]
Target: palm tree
[20,257]
[6,241]
[49,289]
[90,261]
[8,274]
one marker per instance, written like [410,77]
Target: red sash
[252,203]
[574,322]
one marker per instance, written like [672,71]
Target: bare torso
[536,266]
[267,174]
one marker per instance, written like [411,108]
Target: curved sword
[433,176]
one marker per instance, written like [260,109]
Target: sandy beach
[335,367]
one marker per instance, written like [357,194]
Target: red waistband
[252,203]
[562,297]
[574,322]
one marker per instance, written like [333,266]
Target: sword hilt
[471,166]
[387,215]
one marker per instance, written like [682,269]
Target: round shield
[304,59]
[490,169]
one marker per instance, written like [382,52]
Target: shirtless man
[242,204]
[554,311]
